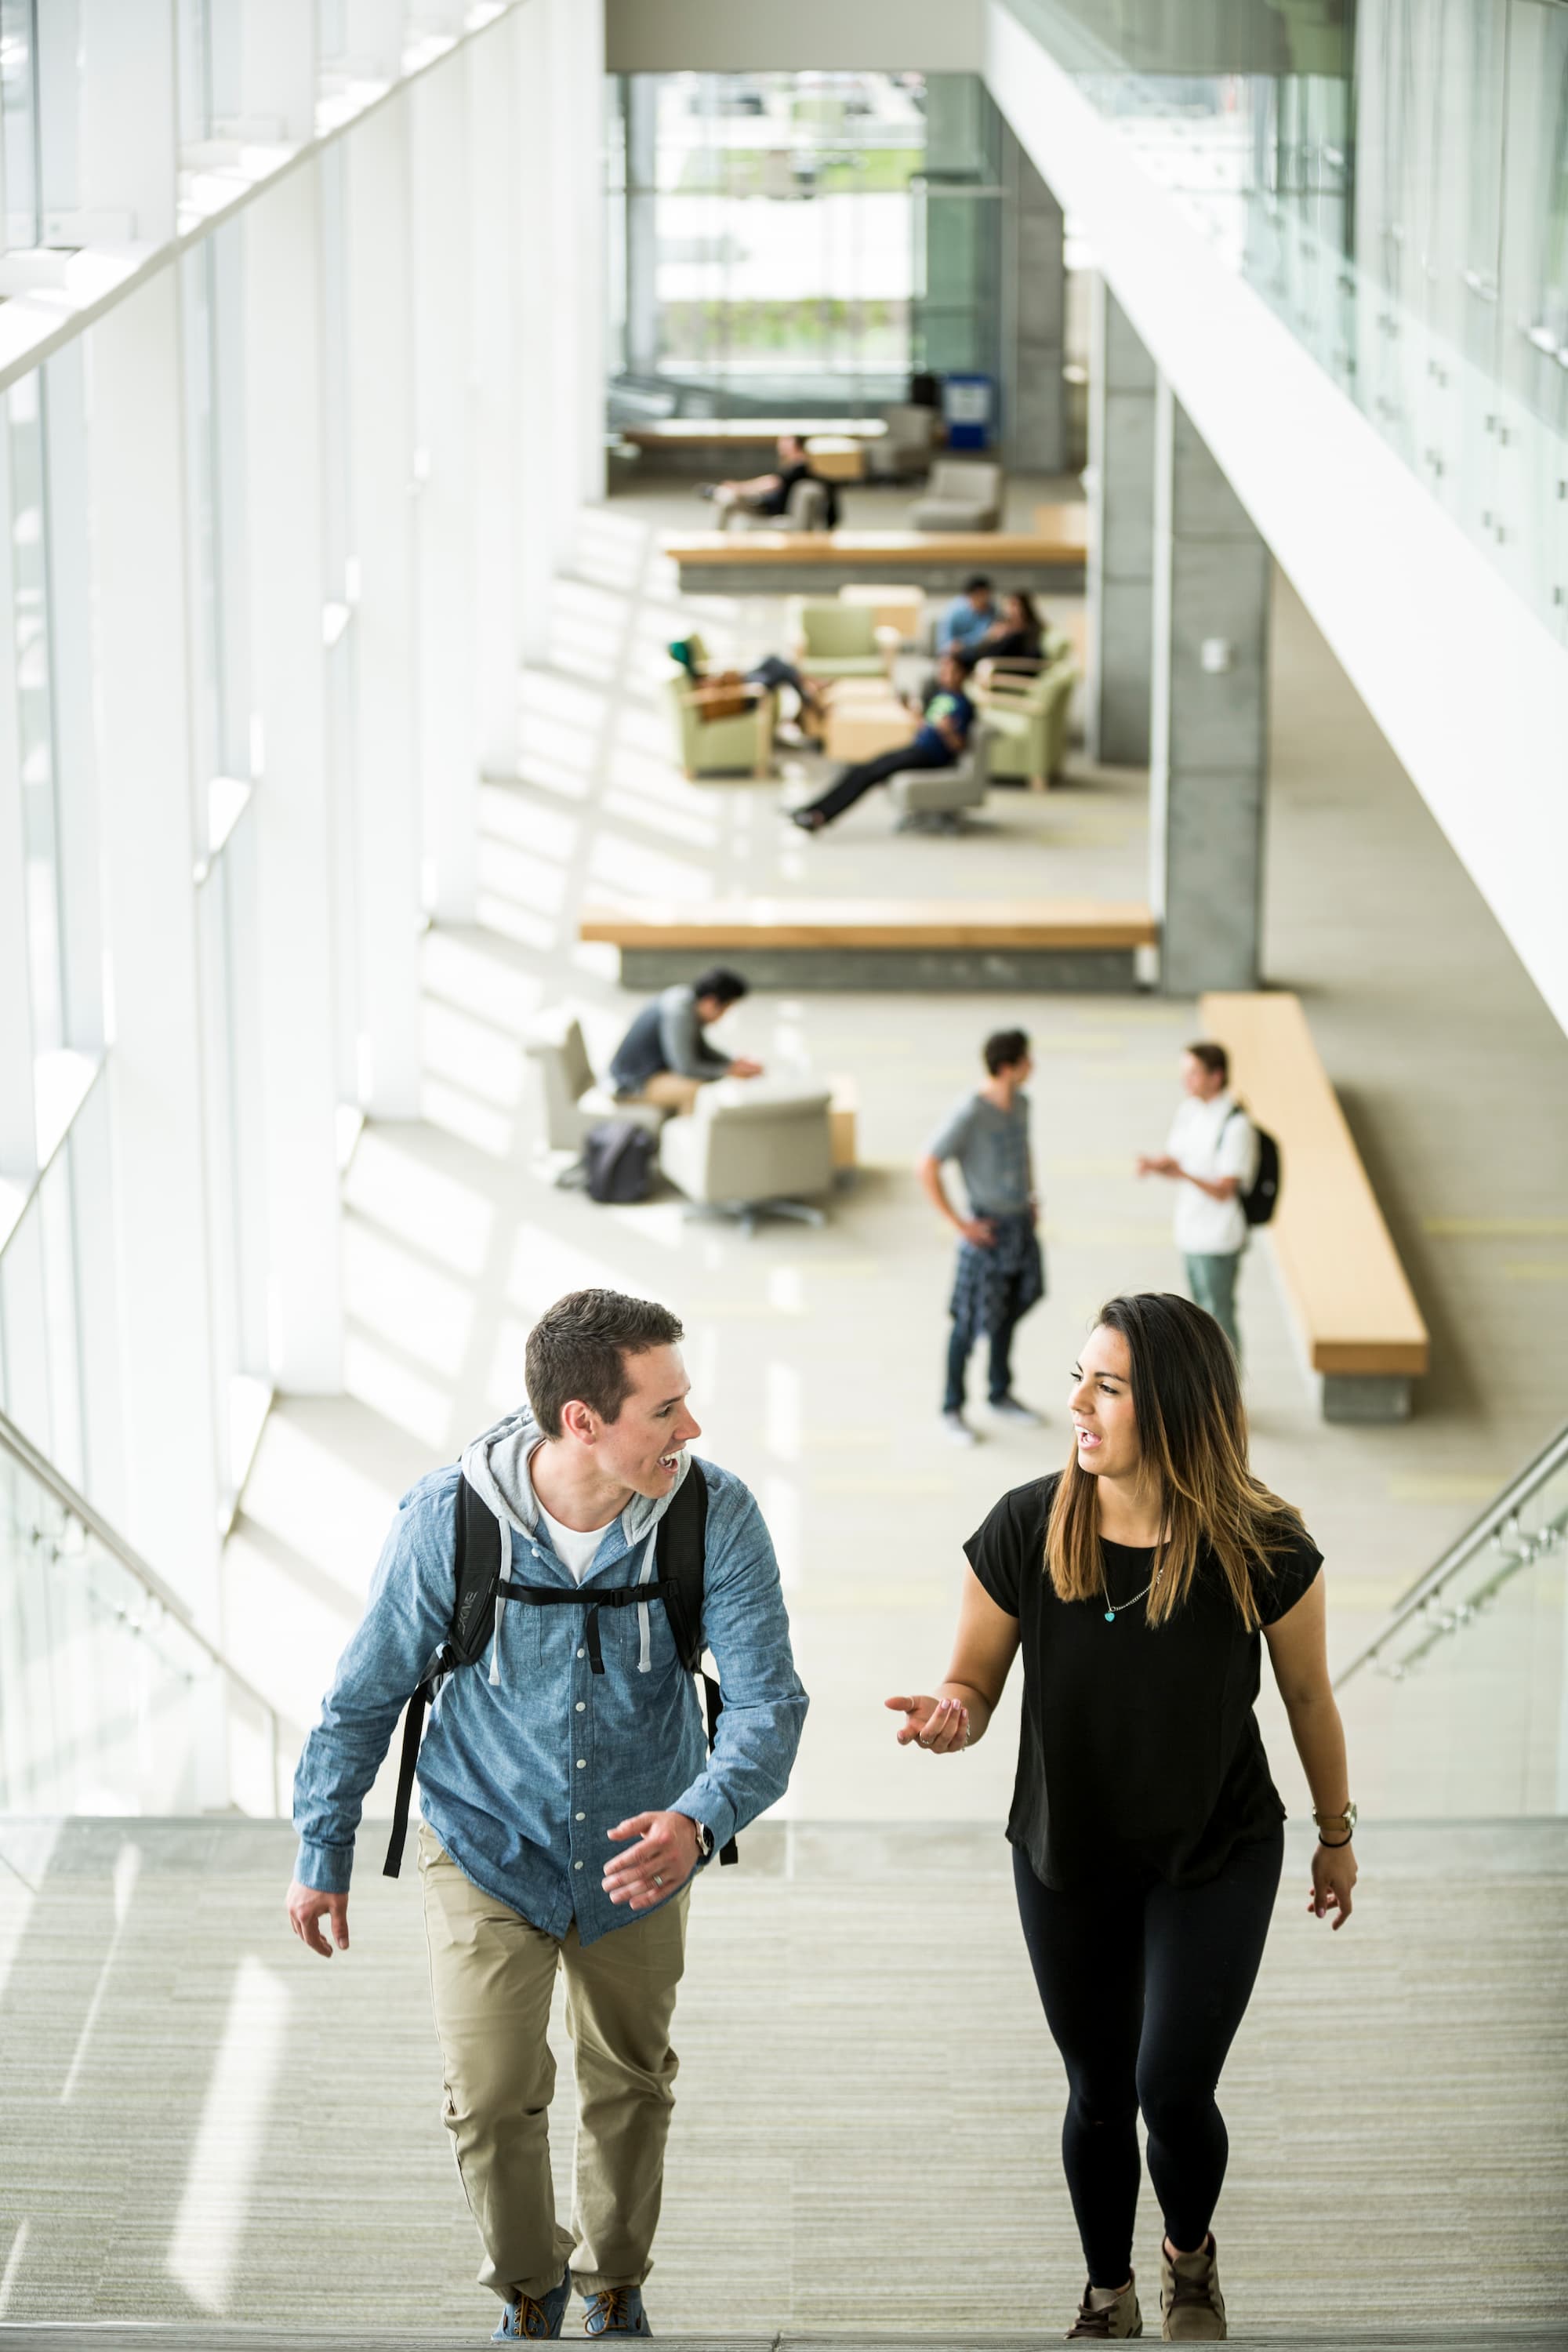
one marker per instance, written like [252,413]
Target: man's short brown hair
[1212,1057]
[579,1349]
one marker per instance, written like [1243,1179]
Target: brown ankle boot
[1106,2312]
[1191,2308]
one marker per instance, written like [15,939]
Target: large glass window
[766,237]
[19,119]
[35,708]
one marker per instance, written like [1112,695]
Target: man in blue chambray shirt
[565,1812]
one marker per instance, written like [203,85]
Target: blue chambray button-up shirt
[530,1757]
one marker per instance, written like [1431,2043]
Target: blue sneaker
[617,2312]
[524,2316]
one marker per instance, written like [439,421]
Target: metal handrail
[1552,1457]
[39,1467]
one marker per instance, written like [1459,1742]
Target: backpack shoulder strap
[476,1573]
[685,1565]
[685,1548]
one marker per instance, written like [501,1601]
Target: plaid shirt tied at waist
[991,1287]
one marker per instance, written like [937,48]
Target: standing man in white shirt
[1212,1155]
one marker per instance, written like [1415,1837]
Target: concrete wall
[847,36]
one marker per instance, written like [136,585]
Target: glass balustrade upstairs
[1460,1708]
[111,1701]
[1393,183]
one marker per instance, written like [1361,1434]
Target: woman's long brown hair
[1192,1427]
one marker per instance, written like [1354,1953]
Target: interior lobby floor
[816,1355]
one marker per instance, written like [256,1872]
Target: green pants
[1212,1281]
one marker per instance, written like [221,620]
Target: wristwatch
[705,1840]
[1344,1823]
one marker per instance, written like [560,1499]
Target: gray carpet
[203,2123]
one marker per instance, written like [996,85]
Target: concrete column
[1208,770]
[291,812]
[438,114]
[494,235]
[1121,379]
[136,487]
[1034,316]
[381,482]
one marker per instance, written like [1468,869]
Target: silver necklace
[1113,1608]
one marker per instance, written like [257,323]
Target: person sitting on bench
[769,493]
[938,743]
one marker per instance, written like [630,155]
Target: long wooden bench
[781,561]
[937,944]
[677,438]
[1355,1312]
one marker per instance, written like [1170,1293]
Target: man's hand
[307,1907]
[662,1860]
[1157,1163]
[978,1230]
[742,1067]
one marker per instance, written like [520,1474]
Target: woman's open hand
[940,1724]
[1333,1880]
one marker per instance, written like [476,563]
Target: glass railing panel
[108,1702]
[1394,185]
[1462,1708]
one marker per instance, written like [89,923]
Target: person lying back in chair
[938,743]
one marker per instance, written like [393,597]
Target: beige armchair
[962,494]
[805,509]
[571,1097]
[753,1148]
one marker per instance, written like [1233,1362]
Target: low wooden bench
[1355,1312]
[775,562]
[935,944]
[726,445]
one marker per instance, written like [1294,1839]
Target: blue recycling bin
[969,410]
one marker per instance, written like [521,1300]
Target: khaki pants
[669,1090]
[491,1976]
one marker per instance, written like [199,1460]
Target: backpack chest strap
[615,1596]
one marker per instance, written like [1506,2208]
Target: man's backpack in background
[1260,1200]
[617,1160]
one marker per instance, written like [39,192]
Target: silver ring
[656,1879]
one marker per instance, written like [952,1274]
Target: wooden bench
[1354,1309]
[701,445]
[936,944]
[783,561]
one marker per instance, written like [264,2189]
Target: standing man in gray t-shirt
[1000,1273]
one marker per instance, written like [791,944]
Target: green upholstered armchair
[1027,721]
[830,639]
[717,747]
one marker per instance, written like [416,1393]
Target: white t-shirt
[574,1548]
[1212,1138]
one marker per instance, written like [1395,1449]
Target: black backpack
[617,1160]
[477,1577]
[1260,1201]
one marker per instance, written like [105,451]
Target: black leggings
[1144,1987]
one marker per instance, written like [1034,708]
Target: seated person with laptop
[938,743]
[664,1056]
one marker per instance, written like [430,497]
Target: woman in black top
[1146,1828]
[1016,638]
